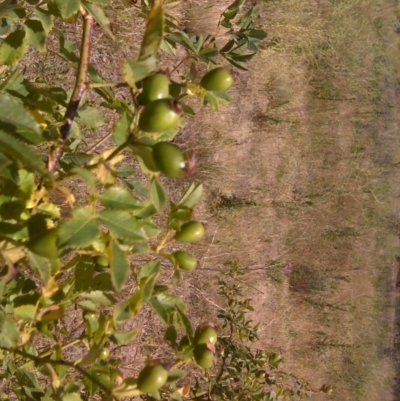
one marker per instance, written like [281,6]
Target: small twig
[79,89]
[71,63]
[208,300]
[208,250]
[42,361]
[98,143]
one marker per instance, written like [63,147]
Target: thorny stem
[79,89]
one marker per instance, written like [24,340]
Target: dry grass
[312,142]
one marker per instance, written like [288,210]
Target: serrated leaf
[71,397]
[122,128]
[13,47]
[13,112]
[91,118]
[124,337]
[137,186]
[84,271]
[87,176]
[157,194]
[101,18]
[42,266]
[134,71]
[192,195]
[9,334]
[120,199]
[154,31]
[148,269]
[45,18]
[119,265]
[36,34]
[126,226]
[99,298]
[25,312]
[80,231]
[23,154]
[102,282]
[66,8]
[171,301]
[147,286]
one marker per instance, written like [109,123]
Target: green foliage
[61,256]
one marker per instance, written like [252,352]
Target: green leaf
[13,47]
[185,323]
[119,265]
[163,313]
[65,8]
[257,33]
[147,286]
[9,334]
[25,312]
[36,34]
[154,31]
[77,158]
[192,195]
[42,265]
[100,17]
[242,57]
[23,154]
[119,198]
[84,272]
[157,194]
[102,282]
[13,112]
[126,226]
[183,39]
[91,118]
[166,305]
[148,269]
[71,397]
[175,375]
[135,71]
[100,298]
[45,18]
[124,337]
[86,176]
[238,64]
[80,231]
[122,128]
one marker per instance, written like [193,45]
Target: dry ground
[301,185]
[300,170]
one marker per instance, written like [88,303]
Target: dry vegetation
[301,185]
